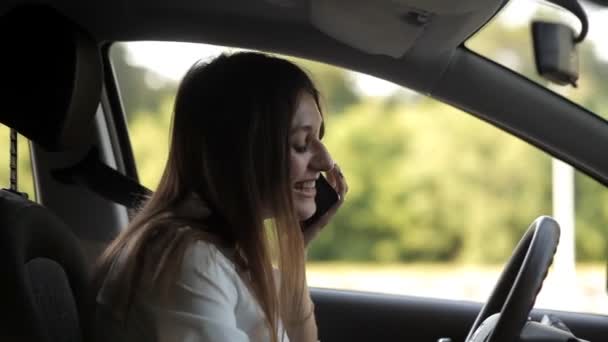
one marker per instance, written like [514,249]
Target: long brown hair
[229,147]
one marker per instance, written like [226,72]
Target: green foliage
[150,141]
[429,183]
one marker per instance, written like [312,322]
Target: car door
[344,315]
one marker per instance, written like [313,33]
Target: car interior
[60,93]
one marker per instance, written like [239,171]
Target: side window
[438,199]
[25,179]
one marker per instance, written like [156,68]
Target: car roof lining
[374,27]
[299,25]
[397,27]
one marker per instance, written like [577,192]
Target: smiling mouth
[305,188]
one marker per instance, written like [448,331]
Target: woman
[196,263]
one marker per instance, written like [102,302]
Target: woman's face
[307,156]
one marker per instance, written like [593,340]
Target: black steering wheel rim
[520,282]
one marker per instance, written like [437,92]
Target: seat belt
[112,185]
[103,180]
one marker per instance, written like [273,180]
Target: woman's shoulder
[205,258]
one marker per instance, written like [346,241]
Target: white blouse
[212,303]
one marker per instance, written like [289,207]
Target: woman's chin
[305,210]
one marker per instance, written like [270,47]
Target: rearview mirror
[555,52]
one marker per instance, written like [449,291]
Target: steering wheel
[516,290]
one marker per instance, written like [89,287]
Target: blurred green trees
[427,181]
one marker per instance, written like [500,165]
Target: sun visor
[393,27]
[51,75]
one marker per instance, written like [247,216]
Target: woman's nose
[322,161]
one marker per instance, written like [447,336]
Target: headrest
[51,77]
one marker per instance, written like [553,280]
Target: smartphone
[325,198]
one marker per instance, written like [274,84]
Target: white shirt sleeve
[203,308]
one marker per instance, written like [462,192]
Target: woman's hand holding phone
[330,196]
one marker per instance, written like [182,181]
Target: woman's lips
[305,188]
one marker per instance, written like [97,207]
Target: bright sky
[174,60]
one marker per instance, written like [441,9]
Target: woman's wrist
[306,312]
[305,330]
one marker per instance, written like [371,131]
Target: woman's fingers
[332,178]
[341,186]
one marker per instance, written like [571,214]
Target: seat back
[44,286]
[51,89]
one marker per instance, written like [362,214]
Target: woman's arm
[305,329]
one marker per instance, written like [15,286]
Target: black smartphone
[325,198]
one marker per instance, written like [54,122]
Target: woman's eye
[300,148]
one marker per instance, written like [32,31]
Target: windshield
[514,49]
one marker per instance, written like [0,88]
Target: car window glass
[438,199]
[515,50]
[25,177]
